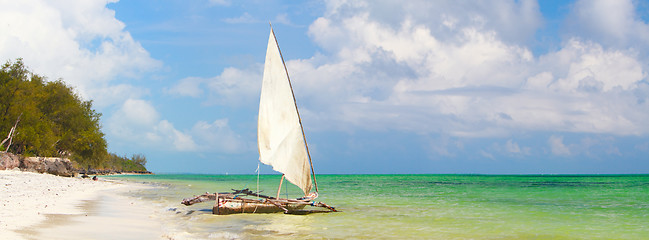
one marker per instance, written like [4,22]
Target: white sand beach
[44,206]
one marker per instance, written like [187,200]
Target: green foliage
[54,120]
[20,95]
[123,163]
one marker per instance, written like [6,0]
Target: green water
[420,207]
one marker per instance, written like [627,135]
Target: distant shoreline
[53,165]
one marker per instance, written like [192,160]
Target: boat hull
[234,206]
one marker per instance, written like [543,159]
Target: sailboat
[282,145]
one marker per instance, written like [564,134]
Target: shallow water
[418,206]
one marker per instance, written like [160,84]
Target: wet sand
[43,206]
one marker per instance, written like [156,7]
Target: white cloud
[512,147]
[81,42]
[283,19]
[244,18]
[233,87]
[166,133]
[487,155]
[139,112]
[587,66]
[557,147]
[593,146]
[188,87]
[441,72]
[643,146]
[442,147]
[514,21]
[111,95]
[220,2]
[217,136]
[395,67]
[137,122]
[128,121]
[611,22]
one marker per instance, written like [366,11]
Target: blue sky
[492,87]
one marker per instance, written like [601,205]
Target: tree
[54,121]
[20,94]
[139,159]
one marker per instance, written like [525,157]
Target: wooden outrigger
[234,202]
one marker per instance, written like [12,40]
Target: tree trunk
[11,134]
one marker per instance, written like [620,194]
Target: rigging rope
[286,190]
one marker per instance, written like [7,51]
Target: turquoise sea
[418,207]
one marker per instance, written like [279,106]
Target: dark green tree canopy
[54,120]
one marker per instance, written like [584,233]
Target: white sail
[279,132]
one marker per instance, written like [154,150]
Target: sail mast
[315,183]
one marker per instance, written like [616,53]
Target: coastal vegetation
[135,163]
[47,118]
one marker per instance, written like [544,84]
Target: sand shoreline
[37,206]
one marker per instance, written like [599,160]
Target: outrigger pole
[279,189]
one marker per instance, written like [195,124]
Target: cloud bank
[475,77]
[467,70]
